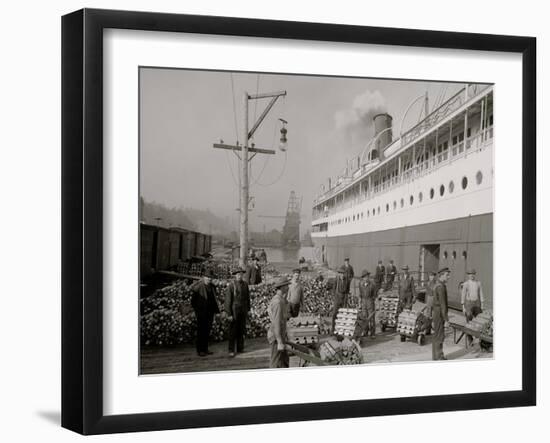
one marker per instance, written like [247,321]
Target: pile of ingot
[406,322]
[303,329]
[388,310]
[482,323]
[346,322]
[341,352]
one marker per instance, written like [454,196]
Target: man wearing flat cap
[348,274]
[379,275]
[407,291]
[253,273]
[203,300]
[339,290]
[237,306]
[391,272]
[367,293]
[295,293]
[440,314]
[276,334]
[472,296]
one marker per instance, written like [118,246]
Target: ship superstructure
[424,199]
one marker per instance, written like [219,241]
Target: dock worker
[429,293]
[253,274]
[367,293]
[407,291]
[348,274]
[440,313]
[237,307]
[263,256]
[203,301]
[429,300]
[276,334]
[379,275]
[391,272]
[339,294]
[472,296]
[295,293]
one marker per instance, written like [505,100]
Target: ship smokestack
[382,124]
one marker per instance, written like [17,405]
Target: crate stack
[406,323]
[388,310]
[346,322]
[304,330]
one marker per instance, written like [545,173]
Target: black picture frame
[82,218]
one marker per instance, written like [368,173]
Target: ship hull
[458,244]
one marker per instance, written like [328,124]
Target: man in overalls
[440,314]
[367,292]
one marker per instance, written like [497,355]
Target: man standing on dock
[276,334]
[348,274]
[367,292]
[440,315]
[407,291]
[390,276]
[295,293]
[237,306]
[253,275]
[472,296]
[379,275]
[203,300]
[339,294]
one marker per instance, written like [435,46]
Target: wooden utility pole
[244,185]
[245,149]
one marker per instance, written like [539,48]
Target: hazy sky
[329,120]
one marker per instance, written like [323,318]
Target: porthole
[451,187]
[362,215]
[368,213]
[387,207]
[441,190]
[420,196]
[445,255]
[464,255]
[394,204]
[464,182]
[354,218]
[378,210]
[402,202]
[411,200]
[479,177]
[454,255]
[432,193]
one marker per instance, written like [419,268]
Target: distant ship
[424,199]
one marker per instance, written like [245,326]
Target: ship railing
[474,143]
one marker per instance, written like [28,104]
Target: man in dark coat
[407,291]
[253,274]
[390,275]
[367,293]
[440,314]
[348,274]
[379,275]
[237,306]
[277,333]
[339,294]
[203,300]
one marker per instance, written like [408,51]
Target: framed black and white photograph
[259,217]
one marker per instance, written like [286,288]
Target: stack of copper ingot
[388,310]
[304,329]
[406,322]
[346,322]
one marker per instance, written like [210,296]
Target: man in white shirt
[472,296]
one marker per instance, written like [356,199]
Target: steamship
[423,199]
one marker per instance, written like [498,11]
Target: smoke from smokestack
[356,123]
